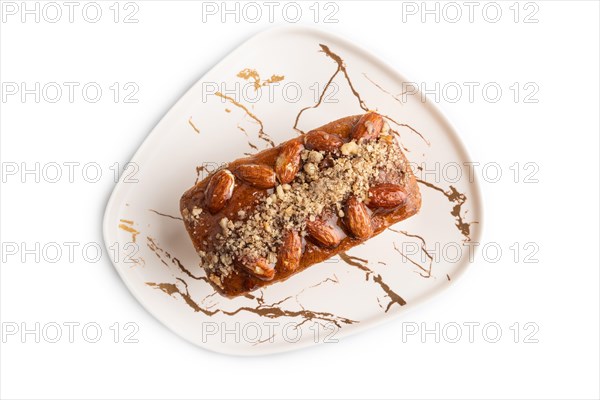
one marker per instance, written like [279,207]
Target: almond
[290,252]
[259,267]
[386,195]
[357,218]
[322,141]
[257,175]
[219,190]
[326,235]
[368,127]
[287,164]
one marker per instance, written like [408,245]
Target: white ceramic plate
[264,84]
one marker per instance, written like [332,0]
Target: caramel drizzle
[162,254]
[249,73]
[407,126]
[261,309]
[426,272]
[395,97]
[261,132]
[194,127]
[395,132]
[270,338]
[458,198]
[416,264]
[334,280]
[361,264]
[165,215]
[127,226]
[378,86]
[271,311]
[341,67]
[245,132]
[138,262]
[171,289]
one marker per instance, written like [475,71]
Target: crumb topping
[321,187]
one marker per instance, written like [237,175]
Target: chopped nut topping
[316,189]
[215,279]
[315,157]
[310,168]
[350,148]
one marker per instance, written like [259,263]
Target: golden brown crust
[203,226]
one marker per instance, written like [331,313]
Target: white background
[164,54]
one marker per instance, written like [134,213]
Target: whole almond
[290,252]
[357,218]
[368,127]
[322,141]
[258,266]
[386,195]
[324,234]
[287,164]
[257,175]
[219,190]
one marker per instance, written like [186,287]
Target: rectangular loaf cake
[260,219]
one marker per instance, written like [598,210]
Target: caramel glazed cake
[260,219]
